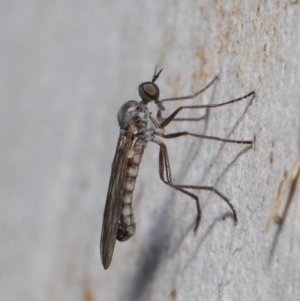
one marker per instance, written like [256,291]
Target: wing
[114,198]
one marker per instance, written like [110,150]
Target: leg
[187,97]
[179,134]
[192,95]
[189,119]
[165,170]
[160,119]
[211,188]
[173,115]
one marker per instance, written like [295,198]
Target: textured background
[65,69]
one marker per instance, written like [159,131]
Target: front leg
[159,116]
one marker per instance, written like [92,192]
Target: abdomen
[127,221]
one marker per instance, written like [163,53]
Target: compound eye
[149,91]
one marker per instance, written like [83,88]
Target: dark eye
[149,91]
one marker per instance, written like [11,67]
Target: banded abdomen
[127,221]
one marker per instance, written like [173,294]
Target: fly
[137,128]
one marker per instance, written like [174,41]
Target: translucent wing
[114,198]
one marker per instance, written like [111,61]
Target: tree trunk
[66,69]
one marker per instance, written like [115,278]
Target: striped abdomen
[127,222]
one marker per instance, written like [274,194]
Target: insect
[138,127]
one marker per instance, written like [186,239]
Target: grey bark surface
[66,67]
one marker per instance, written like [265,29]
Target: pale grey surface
[66,68]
